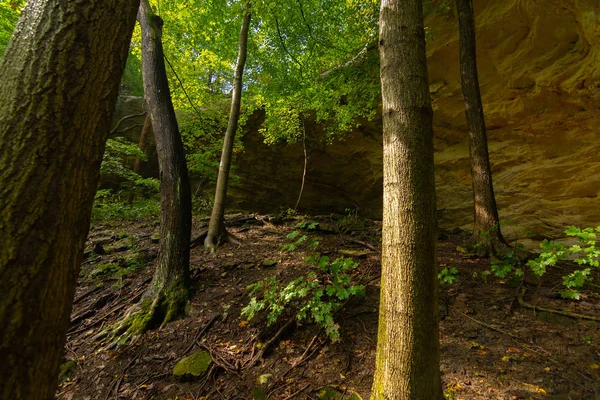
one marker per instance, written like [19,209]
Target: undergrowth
[313,297]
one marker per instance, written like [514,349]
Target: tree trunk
[407,365]
[171,279]
[217,233]
[144,143]
[487,237]
[59,81]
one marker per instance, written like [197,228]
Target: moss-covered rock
[269,263]
[125,242]
[354,253]
[194,365]
[328,393]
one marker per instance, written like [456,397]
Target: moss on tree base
[155,310]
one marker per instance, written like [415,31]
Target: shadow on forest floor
[491,347]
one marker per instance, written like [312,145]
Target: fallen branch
[517,341]
[525,304]
[271,341]
[367,245]
[303,358]
[291,396]
[199,335]
[115,387]
[116,128]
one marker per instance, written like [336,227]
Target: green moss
[268,263]
[193,366]
[66,370]
[176,299]
[328,393]
[104,269]
[125,242]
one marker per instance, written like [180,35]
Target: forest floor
[492,345]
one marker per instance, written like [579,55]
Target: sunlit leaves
[9,14]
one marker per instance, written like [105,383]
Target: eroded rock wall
[539,70]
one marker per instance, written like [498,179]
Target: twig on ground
[199,335]
[219,360]
[517,341]
[303,357]
[365,244]
[87,293]
[291,396]
[115,387]
[551,310]
[269,343]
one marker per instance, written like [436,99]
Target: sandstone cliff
[539,66]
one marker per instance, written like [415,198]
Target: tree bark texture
[59,81]
[486,226]
[175,196]
[407,363]
[216,229]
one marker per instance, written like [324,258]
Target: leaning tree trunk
[487,237]
[407,364]
[59,80]
[217,233]
[168,293]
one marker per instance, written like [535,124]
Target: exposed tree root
[154,311]
[222,237]
[525,304]
[488,245]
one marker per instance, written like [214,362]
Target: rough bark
[217,232]
[407,363]
[487,237]
[59,80]
[171,278]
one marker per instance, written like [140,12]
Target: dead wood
[566,313]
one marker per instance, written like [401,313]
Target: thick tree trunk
[487,237]
[407,365]
[171,279]
[216,229]
[59,81]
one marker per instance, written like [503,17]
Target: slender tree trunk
[216,229]
[407,365]
[305,164]
[59,80]
[171,279]
[144,142]
[487,237]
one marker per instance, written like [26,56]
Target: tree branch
[116,128]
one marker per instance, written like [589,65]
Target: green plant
[307,225]
[297,240]
[586,252]
[313,297]
[508,264]
[111,205]
[448,276]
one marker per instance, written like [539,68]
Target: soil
[492,346]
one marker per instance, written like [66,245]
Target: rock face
[539,70]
